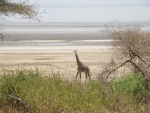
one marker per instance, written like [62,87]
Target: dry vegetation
[21,7]
[29,91]
[131,46]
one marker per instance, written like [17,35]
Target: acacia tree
[21,7]
[131,45]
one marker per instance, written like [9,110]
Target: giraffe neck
[77,59]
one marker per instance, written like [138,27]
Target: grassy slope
[52,94]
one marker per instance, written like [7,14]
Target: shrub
[28,90]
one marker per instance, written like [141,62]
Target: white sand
[54,59]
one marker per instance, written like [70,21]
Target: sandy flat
[56,59]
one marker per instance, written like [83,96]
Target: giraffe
[81,68]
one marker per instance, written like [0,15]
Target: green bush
[132,86]
[47,94]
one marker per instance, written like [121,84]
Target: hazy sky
[93,10]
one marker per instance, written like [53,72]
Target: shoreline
[39,48]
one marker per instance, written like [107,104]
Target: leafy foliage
[47,94]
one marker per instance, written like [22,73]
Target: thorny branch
[21,101]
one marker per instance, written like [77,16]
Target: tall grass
[50,94]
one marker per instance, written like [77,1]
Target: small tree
[131,45]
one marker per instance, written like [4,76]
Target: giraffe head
[75,51]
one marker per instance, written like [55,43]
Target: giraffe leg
[89,75]
[85,76]
[80,76]
[77,75]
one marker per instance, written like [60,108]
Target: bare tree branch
[21,101]
[21,7]
[131,45]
